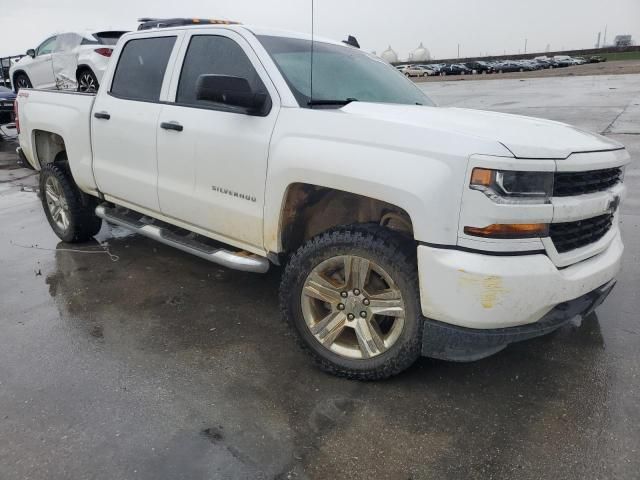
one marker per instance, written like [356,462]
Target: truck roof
[186,24]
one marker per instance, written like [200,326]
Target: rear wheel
[351,297]
[69,211]
[87,81]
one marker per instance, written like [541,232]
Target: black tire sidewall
[25,76]
[366,244]
[83,223]
[55,172]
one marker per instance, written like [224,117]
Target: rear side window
[210,54]
[108,38]
[141,68]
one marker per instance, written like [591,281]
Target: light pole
[458,50]
[525,45]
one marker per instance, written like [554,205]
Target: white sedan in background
[66,61]
[415,71]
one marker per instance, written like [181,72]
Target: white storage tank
[420,54]
[389,55]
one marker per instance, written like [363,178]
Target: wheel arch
[15,75]
[48,147]
[308,210]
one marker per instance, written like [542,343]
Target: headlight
[504,186]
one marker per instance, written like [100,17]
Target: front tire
[351,296]
[70,212]
[22,81]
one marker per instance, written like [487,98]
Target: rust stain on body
[489,288]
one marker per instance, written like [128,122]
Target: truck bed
[62,113]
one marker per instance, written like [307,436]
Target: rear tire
[385,337]
[87,81]
[70,212]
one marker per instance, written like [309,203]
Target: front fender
[427,185]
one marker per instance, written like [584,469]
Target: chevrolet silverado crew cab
[403,228]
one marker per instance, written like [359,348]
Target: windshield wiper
[347,101]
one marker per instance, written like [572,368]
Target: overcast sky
[480,26]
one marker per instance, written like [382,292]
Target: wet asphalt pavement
[152,364]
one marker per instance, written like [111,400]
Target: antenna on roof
[352,41]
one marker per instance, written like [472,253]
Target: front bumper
[482,291]
[448,342]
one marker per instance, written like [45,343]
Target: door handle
[102,115]
[172,126]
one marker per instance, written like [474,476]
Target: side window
[141,68]
[210,54]
[67,42]
[46,47]
[89,40]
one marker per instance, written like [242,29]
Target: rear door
[64,60]
[40,70]
[212,172]
[125,117]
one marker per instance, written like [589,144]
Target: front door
[124,123]
[211,173]
[40,69]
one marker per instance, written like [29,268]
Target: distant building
[420,54]
[622,41]
[389,55]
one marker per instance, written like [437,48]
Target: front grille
[571,235]
[578,183]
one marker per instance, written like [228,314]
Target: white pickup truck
[403,228]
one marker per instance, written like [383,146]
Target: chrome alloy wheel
[352,307]
[57,203]
[87,83]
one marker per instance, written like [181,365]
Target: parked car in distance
[456,69]
[480,67]
[7,97]
[529,65]
[509,66]
[597,59]
[545,64]
[416,71]
[564,60]
[65,61]
[434,69]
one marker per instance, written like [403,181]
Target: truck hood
[524,137]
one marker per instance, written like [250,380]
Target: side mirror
[31,52]
[232,91]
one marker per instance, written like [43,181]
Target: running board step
[192,243]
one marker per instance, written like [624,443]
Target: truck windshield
[340,74]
